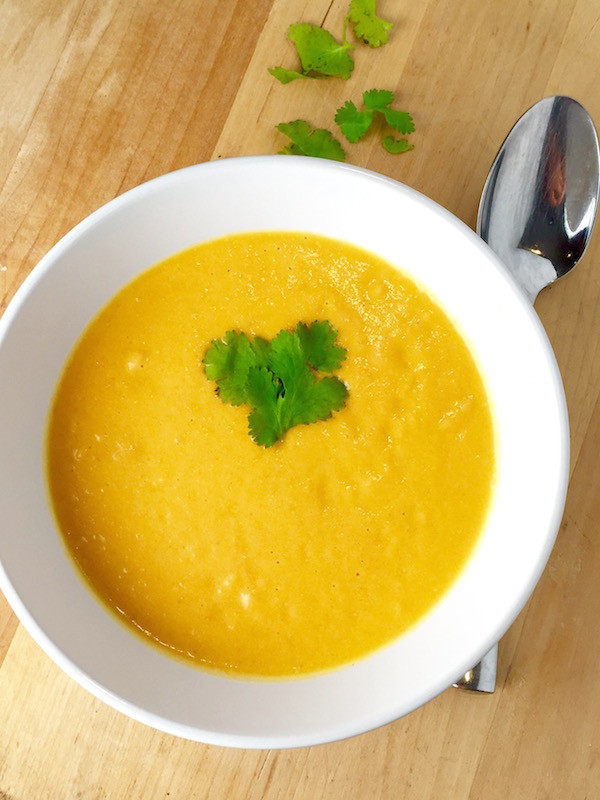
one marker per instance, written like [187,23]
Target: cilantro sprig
[355,123]
[279,379]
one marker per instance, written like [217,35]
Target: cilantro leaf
[227,362]
[314,400]
[329,394]
[396,145]
[320,52]
[317,342]
[260,348]
[378,99]
[303,399]
[353,123]
[285,75]
[287,361]
[263,392]
[367,25]
[291,150]
[275,378]
[399,120]
[308,142]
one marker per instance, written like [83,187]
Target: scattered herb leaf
[378,99]
[399,120]
[367,25]
[278,379]
[308,142]
[285,75]
[322,55]
[354,124]
[292,150]
[319,52]
[396,145]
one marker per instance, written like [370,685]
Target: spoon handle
[482,677]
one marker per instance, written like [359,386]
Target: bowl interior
[168,214]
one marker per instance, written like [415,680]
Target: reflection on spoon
[540,199]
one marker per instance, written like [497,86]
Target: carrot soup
[281,560]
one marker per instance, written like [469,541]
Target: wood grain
[96,97]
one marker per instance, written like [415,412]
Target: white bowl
[143,226]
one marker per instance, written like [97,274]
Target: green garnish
[320,54]
[308,142]
[228,360]
[285,75]
[278,379]
[379,100]
[317,341]
[367,26]
[396,145]
[355,123]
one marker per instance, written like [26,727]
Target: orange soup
[284,560]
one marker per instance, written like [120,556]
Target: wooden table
[98,96]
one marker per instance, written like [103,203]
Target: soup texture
[284,560]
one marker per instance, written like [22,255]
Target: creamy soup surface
[275,561]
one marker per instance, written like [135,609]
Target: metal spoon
[537,211]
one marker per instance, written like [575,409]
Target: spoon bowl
[540,199]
